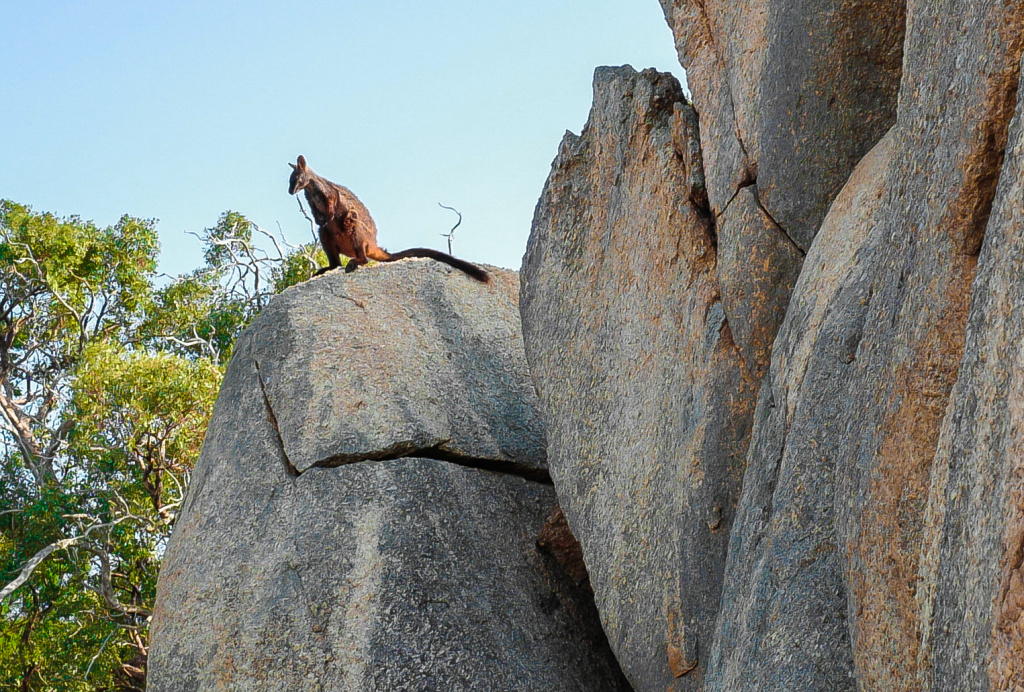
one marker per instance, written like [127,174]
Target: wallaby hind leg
[328,240]
[358,260]
[350,225]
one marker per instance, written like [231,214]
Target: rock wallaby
[346,227]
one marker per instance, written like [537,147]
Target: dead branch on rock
[450,235]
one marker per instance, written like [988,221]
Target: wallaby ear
[294,167]
[302,161]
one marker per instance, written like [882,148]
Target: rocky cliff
[366,510]
[775,338]
[775,331]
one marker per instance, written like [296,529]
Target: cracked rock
[868,549]
[647,400]
[757,269]
[791,93]
[365,511]
[352,367]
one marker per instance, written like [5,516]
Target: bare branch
[59,438]
[284,240]
[99,653]
[273,239]
[312,225]
[18,424]
[450,235]
[106,589]
[38,558]
[30,567]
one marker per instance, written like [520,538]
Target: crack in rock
[403,450]
[752,182]
[438,452]
[289,466]
[746,181]
[728,203]
[335,291]
[785,234]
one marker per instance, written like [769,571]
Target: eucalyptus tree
[108,374]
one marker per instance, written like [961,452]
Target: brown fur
[346,227]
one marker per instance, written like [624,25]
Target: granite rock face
[825,572]
[845,201]
[647,397]
[365,510]
[791,95]
[973,597]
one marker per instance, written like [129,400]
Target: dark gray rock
[365,509]
[645,394]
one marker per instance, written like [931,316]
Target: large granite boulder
[647,398]
[365,510]
[838,576]
[790,94]
[971,578]
[845,215]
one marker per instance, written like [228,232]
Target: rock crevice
[272,419]
[410,566]
[437,452]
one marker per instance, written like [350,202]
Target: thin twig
[98,654]
[450,235]
[312,224]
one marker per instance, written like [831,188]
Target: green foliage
[140,419]
[107,382]
[300,266]
[194,316]
[232,230]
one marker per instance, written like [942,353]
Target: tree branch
[63,544]
[106,589]
[18,424]
[312,224]
[450,235]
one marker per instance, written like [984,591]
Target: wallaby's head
[301,176]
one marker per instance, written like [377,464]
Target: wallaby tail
[471,269]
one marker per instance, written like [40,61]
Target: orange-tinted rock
[971,592]
[647,402]
[556,539]
[825,560]
[757,267]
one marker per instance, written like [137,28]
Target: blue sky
[182,110]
